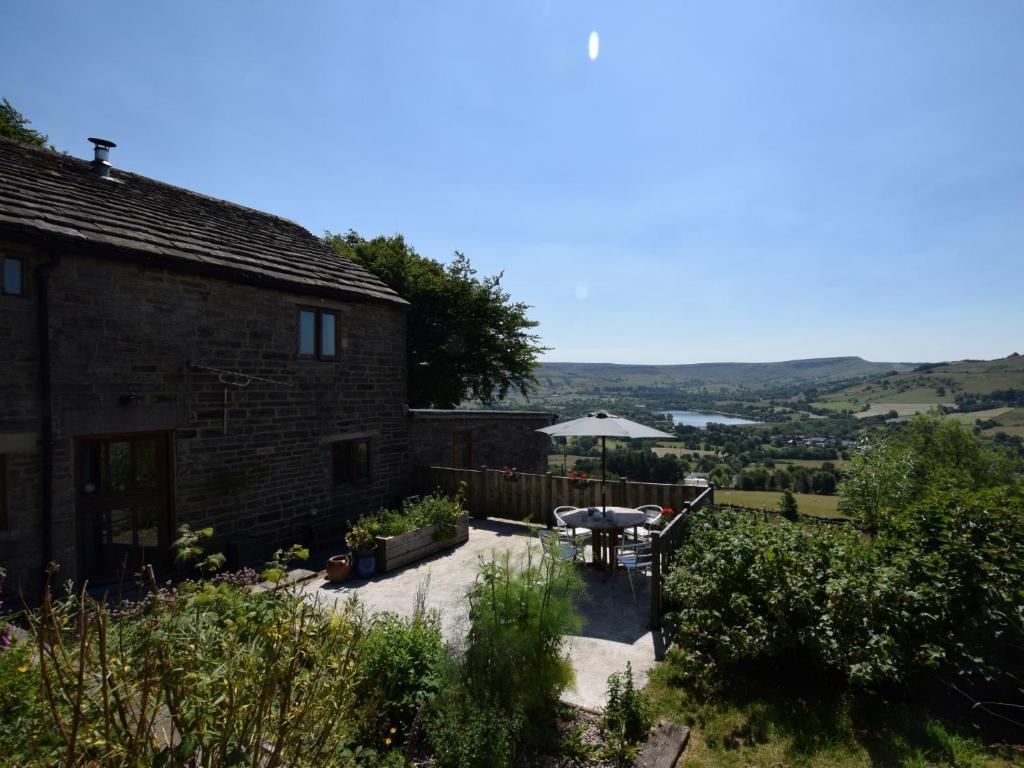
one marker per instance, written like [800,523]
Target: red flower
[506,470]
[666,511]
[584,475]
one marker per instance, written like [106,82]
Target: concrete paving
[615,628]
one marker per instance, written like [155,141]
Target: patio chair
[579,539]
[553,544]
[634,558]
[652,512]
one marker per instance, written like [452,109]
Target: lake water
[701,419]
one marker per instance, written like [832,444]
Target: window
[350,461]
[318,334]
[462,450]
[11,281]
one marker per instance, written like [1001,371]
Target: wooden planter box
[395,551]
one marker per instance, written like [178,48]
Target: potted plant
[363,544]
[338,568]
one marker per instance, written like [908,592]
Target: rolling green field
[808,504]
[972,416]
[809,463]
[940,384]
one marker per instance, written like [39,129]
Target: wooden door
[124,505]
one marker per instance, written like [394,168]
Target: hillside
[968,384]
[577,377]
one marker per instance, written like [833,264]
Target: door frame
[166,473]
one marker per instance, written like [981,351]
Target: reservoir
[701,419]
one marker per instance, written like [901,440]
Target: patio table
[606,525]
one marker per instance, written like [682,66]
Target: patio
[615,628]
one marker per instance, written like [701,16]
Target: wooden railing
[490,493]
[664,545]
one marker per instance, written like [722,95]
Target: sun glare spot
[593,46]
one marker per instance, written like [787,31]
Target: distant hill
[577,377]
[983,389]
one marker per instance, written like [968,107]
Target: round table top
[609,517]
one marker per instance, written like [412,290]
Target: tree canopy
[929,452]
[14,125]
[467,340]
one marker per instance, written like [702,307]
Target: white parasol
[604,425]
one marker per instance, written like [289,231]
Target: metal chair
[567,531]
[634,558]
[652,513]
[553,544]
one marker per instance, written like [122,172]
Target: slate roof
[44,193]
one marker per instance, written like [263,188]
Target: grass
[808,503]
[772,723]
[971,416]
[902,409]
[940,384]
[810,463]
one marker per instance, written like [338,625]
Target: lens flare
[593,46]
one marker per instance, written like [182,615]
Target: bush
[940,588]
[437,510]
[241,676]
[627,717]
[401,663]
[506,685]
[465,733]
[744,588]
[788,507]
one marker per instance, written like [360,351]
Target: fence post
[655,580]
[485,496]
[547,501]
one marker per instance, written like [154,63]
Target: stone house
[169,358]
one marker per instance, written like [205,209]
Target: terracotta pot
[338,568]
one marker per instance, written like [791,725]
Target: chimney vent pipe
[101,161]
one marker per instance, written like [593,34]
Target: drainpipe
[42,280]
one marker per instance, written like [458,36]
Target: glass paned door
[124,505]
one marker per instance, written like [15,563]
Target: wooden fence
[664,545]
[490,493]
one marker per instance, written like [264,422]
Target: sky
[725,181]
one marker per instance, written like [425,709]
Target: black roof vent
[101,162]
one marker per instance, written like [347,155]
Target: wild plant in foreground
[204,675]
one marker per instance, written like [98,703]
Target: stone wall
[496,438]
[129,347]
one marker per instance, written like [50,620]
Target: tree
[14,125]
[466,338]
[788,506]
[930,452]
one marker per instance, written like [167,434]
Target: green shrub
[939,588]
[437,510]
[22,740]
[512,670]
[241,676]
[627,717]
[401,661]
[464,732]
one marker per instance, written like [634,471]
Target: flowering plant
[667,512]
[579,479]
[511,473]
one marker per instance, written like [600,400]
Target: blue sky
[726,181]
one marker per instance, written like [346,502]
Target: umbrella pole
[604,471]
